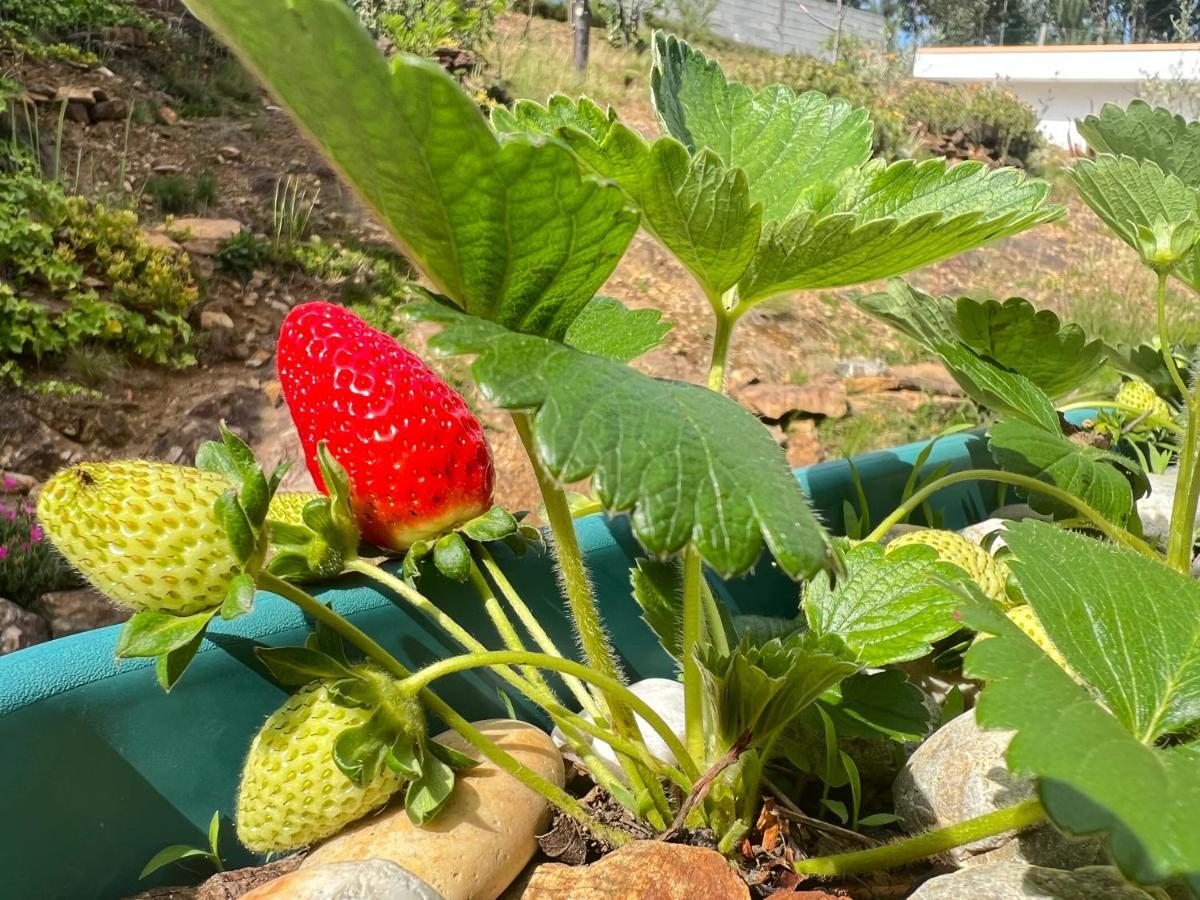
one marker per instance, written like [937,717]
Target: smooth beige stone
[370,879]
[485,834]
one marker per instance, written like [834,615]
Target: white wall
[1063,84]
[783,27]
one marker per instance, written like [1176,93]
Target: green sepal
[153,633]
[353,692]
[344,527]
[329,642]
[300,665]
[517,544]
[359,752]
[411,568]
[170,666]
[239,597]
[404,757]
[452,557]
[427,794]
[238,529]
[494,525]
[451,757]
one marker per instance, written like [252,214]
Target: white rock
[1155,508]
[958,774]
[665,697]
[1019,881]
[366,879]
[482,838]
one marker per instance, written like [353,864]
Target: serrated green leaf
[168,855]
[325,640]
[607,327]
[889,607]
[358,752]
[1093,475]
[998,388]
[789,145]
[1094,776]
[657,587]
[1057,358]
[1126,193]
[1146,133]
[1094,599]
[451,556]
[560,111]
[890,220]
[239,597]
[170,666]
[427,794]
[691,465]
[153,633]
[878,705]
[508,231]
[300,665]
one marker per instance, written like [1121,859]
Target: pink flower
[3,552]
[10,514]
[9,483]
[36,533]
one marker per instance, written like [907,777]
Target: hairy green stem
[563,716]
[1180,537]
[1113,532]
[693,622]
[532,625]
[720,351]
[1164,338]
[578,590]
[916,848]
[481,742]
[508,633]
[609,686]
[712,613]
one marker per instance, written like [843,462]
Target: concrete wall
[1063,84]
[783,27]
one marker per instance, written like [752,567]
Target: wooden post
[581,26]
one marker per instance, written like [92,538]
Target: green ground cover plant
[515,224]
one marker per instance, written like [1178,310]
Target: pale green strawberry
[1026,619]
[292,793]
[144,533]
[1141,397]
[985,570]
[289,508]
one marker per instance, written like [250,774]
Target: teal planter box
[101,769]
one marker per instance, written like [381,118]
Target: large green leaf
[606,327]
[1094,776]
[889,607]
[944,326]
[1126,193]
[789,145]
[889,220]
[1093,475]
[1129,625]
[692,465]
[1144,132]
[875,705]
[511,232]
[695,206]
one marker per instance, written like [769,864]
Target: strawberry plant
[515,225]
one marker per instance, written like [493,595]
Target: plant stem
[720,350]
[338,623]
[716,626]
[1164,339]
[533,626]
[1180,537]
[1112,532]
[562,716]
[610,686]
[916,848]
[693,685]
[508,634]
[481,742]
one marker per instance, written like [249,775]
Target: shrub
[174,194]
[987,116]
[29,564]
[242,255]
[75,272]
[421,26]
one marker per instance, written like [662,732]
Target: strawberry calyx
[451,552]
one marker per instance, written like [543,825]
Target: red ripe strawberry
[417,458]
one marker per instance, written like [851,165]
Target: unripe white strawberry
[985,570]
[144,533]
[1141,397]
[289,508]
[292,793]
[1026,619]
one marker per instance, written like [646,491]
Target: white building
[1066,83]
